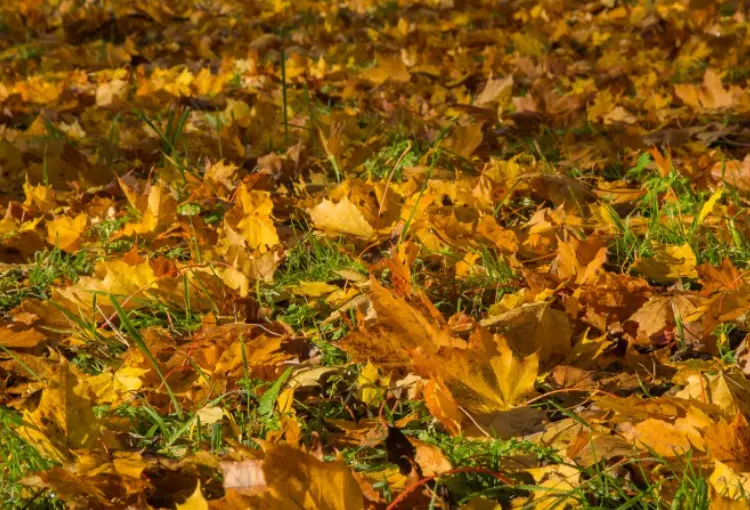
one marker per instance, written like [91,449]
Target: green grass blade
[267,401]
[142,346]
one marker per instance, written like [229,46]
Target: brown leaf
[723,278]
[464,139]
[657,319]
[734,173]
[406,325]
[495,90]
[430,458]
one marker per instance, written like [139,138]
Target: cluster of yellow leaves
[540,184]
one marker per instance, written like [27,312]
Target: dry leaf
[535,328]
[342,217]
[480,382]
[387,68]
[729,484]
[670,262]
[64,418]
[296,479]
[65,232]
[729,443]
[196,501]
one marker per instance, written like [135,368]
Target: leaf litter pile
[374,254]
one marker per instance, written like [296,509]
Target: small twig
[117,332]
[474,421]
[269,331]
[34,498]
[568,390]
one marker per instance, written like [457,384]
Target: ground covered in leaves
[374,254]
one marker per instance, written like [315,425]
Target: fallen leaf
[464,140]
[728,392]
[534,328]
[209,415]
[734,173]
[156,205]
[251,216]
[670,262]
[729,442]
[431,459]
[342,217]
[65,232]
[388,68]
[246,475]
[313,289]
[729,484]
[481,382]
[111,92]
[196,501]
[443,406]
[18,336]
[496,90]
[64,418]
[556,483]
[295,479]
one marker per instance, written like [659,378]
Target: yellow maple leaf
[603,104]
[313,289]
[557,482]
[156,205]
[483,382]
[251,216]
[290,478]
[669,262]
[370,384]
[111,277]
[116,387]
[388,68]
[710,204]
[221,174]
[40,196]
[729,484]
[443,406]
[236,280]
[730,392]
[534,328]
[208,84]
[65,232]
[64,418]
[111,92]
[179,84]
[342,217]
